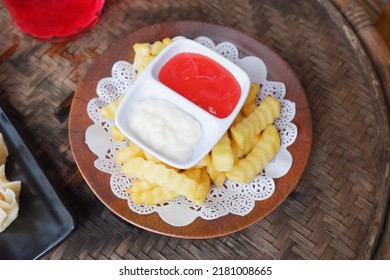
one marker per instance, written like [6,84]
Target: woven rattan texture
[328,215]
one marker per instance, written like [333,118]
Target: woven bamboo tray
[337,210]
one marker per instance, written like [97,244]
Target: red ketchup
[203,81]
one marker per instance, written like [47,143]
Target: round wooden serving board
[99,182]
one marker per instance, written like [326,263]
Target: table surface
[338,210]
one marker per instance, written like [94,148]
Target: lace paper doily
[238,199]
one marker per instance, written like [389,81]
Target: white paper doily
[238,199]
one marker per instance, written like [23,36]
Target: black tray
[43,219]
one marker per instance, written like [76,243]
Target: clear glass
[55,20]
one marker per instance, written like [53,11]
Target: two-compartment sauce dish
[182,103]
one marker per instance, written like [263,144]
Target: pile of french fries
[240,155]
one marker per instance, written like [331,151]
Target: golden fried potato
[203,163]
[238,118]
[246,169]
[151,157]
[147,59]
[144,53]
[140,186]
[222,155]
[109,110]
[141,50]
[217,177]
[144,192]
[156,195]
[193,174]
[236,150]
[239,153]
[204,178]
[263,115]
[246,111]
[165,177]
[157,47]
[130,151]
[167,41]
[252,94]
[117,135]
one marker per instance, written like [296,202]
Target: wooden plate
[99,182]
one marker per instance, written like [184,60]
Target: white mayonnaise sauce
[165,128]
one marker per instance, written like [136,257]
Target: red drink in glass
[54,20]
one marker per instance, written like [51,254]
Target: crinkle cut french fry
[151,157]
[157,47]
[204,178]
[222,155]
[236,150]
[117,135]
[147,59]
[265,149]
[239,153]
[156,195]
[203,163]
[141,50]
[167,41]
[109,110]
[217,177]
[140,186]
[252,94]
[129,151]
[165,177]
[246,111]
[193,174]
[144,192]
[144,53]
[238,118]
[263,115]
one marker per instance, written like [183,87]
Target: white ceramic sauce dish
[147,86]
